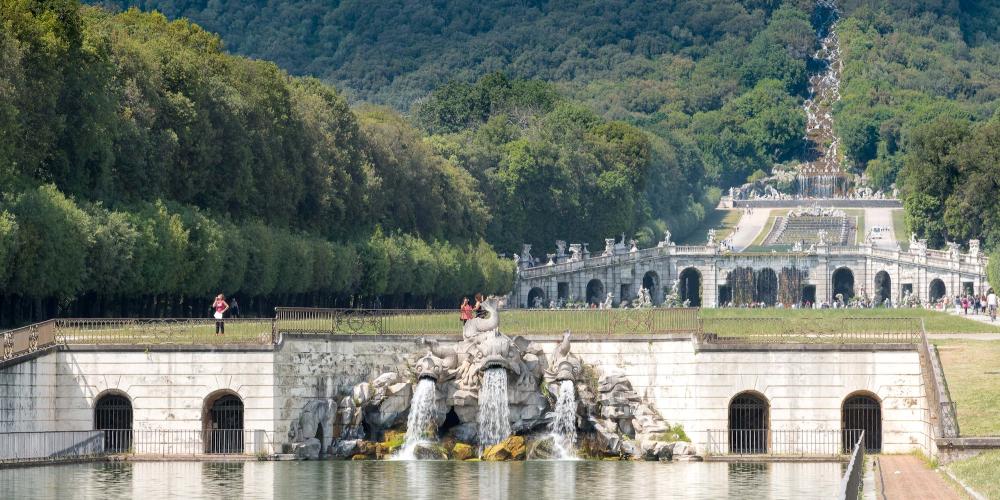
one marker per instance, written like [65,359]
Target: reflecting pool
[534,480]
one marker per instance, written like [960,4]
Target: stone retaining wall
[804,388]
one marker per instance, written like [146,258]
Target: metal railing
[50,446]
[781,442]
[27,339]
[811,330]
[512,322]
[17,447]
[128,331]
[174,442]
[850,485]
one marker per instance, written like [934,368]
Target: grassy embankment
[972,370]
[900,230]
[724,222]
[981,473]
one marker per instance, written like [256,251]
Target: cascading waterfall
[822,176]
[494,412]
[421,426]
[563,428]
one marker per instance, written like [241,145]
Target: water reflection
[541,480]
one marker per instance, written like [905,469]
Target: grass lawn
[900,230]
[972,369]
[934,321]
[981,473]
[724,222]
[185,331]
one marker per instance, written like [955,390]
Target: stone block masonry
[169,389]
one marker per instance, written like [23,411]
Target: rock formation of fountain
[485,391]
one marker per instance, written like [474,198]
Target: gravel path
[906,477]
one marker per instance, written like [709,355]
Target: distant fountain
[494,412]
[822,176]
[563,429]
[421,425]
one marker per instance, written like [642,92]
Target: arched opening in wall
[748,423]
[725,295]
[862,412]
[113,415]
[536,298]
[690,287]
[809,294]
[595,291]
[651,282]
[223,420]
[843,284]
[767,286]
[936,291]
[883,289]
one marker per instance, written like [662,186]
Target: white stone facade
[804,389]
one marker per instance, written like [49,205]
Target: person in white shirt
[991,304]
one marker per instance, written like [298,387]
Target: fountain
[500,395]
[421,425]
[494,412]
[822,177]
[563,429]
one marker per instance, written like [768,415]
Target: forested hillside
[143,170]
[144,167]
[720,79]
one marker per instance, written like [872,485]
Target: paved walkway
[748,228]
[880,217]
[906,477]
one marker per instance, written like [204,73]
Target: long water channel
[535,480]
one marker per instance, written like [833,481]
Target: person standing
[220,307]
[234,309]
[480,312]
[466,309]
[991,304]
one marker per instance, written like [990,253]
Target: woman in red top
[466,310]
[220,306]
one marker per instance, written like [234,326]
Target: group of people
[469,311]
[985,303]
[220,309]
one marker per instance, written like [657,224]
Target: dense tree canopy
[143,170]
[169,169]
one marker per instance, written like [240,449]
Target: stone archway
[766,286]
[651,282]
[749,421]
[689,286]
[936,290]
[222,419]
[595,291]
[862,411]
[843,284]
[883,289]
[113,415]
[536,297]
